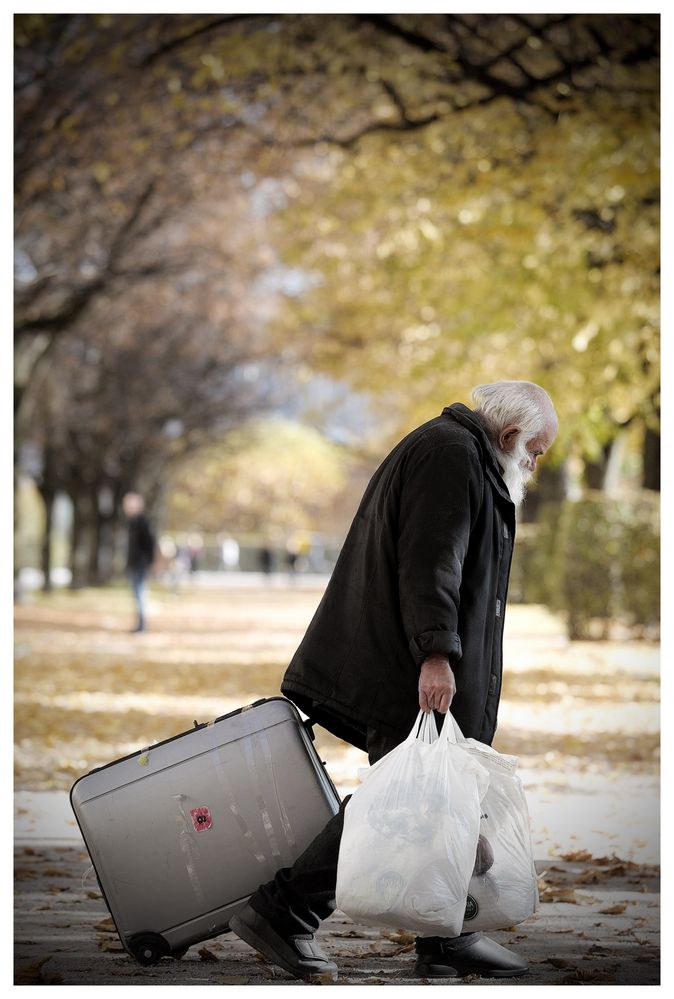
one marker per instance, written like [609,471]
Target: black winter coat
[141,550]
[424,568]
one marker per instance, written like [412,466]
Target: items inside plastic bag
[505,892]
[408,848]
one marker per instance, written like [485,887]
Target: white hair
[519,404]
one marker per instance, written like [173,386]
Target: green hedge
[596,559]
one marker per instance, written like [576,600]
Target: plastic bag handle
[450,730]
[419,729]
[458,734]
[426,730]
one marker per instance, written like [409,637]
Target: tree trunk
[78,553]
[48,499]
[107,514]
[95,529]
[106,549]
[595,471]
[613,477]
[119,530]
[651,460]
[548,486]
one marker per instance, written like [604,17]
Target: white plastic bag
[410,831]
[503,890]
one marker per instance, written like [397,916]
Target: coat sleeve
[439,502]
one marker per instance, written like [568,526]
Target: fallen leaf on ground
[576,855]
[614,910]
[112,946]
[596,950]
[557,962]
[553,894]
[207,955]
[586,975]
[398,936]
[614,861]
[24,873]
[590,877]
[33,975]
[547,879]
[105,926]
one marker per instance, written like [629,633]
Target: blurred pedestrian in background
[230,553]
[141,552]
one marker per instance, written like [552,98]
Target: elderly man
[412,616]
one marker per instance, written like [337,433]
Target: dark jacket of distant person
[424,568]
[141,550]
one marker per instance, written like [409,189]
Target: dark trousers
[301,896]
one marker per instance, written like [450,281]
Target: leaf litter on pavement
[88,692]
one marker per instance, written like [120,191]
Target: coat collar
[467,418]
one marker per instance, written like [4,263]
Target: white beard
[514,476]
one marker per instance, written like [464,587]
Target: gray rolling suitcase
[182,833]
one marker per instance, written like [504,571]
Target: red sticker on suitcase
[202,819]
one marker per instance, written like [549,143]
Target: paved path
[598,923]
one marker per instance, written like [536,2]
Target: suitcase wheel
[148,948]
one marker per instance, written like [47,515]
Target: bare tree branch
[81,295]
[188,36]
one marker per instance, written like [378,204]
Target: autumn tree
[515,235]
[123,400]
[438,198]
[269,478]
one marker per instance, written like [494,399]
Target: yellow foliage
[271,477]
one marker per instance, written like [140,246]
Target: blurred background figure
[230,554]
[141,551]
[266,560]
[195,547]
[172,565]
